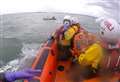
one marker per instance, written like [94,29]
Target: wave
[26,57]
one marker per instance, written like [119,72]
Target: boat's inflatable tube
[46,60]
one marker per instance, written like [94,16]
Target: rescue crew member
[64,36]
[89,52]
[103,55]
[110,41]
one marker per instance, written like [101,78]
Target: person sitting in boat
[99,56]
[110,40]
[64,36]
[88,54]
[87,50]
[19,75]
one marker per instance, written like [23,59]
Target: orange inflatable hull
[56,71]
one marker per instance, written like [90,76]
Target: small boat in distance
[50,18]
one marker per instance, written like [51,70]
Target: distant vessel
[49,18]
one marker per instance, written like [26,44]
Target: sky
[95,8]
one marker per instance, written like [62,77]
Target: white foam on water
[27,55]
[11,66]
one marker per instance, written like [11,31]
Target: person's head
[109,30]
[66,21]
[74,20]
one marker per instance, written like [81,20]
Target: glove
[23,74]
[50,38]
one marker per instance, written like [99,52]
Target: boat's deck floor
[62,75]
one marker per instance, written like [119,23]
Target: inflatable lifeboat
[56,71]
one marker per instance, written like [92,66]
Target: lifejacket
[92,38]
[64,37]
[92,56]
[80,43]
[69,34]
